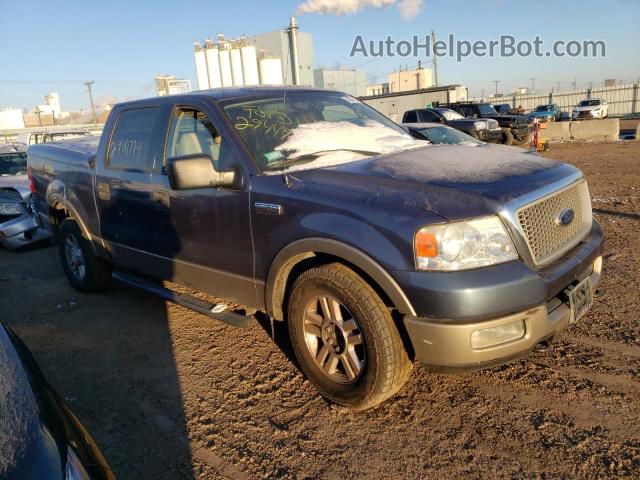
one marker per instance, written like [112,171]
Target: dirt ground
[170,394]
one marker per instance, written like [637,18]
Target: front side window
[301,130]
[193,133]
[130,146]
[486,109]
[427,116]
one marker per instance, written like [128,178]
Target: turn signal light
[426,244]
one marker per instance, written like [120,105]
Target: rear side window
[130,147]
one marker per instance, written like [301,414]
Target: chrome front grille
[541,226]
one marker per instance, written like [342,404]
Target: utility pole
[496,82]
[435,61]
[574,83]
[533,84]
[93,108]
[558,86]
[483,94]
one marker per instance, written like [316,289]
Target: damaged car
[19,224]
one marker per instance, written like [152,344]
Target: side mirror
[197,171]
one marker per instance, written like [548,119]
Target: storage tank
[250,65]
[225,66]
[271,71]
[201,67]
[213,67]
[236,67]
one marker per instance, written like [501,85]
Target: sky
[57,46]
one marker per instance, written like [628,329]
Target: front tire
[85,271]
[507,136]
[523,140]
[345,339]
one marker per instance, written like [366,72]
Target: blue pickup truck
[378,250]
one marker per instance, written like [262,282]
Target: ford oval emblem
[566,217]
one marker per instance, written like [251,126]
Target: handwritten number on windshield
[273,123]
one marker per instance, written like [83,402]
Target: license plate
[580,298]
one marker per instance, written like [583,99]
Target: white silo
[236,67]
[225,66]
[271,71]
[250,65]
[213,66]
[201,67]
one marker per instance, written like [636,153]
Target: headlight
[11,209]
[463,245]
[75,469]
[480,125]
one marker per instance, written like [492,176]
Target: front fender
[299,250]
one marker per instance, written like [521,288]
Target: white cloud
[408,8]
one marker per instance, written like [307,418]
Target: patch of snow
[454,163]
[333,142]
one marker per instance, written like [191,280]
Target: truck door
[123,188]
[202,237]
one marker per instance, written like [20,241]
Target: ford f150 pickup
[376,249]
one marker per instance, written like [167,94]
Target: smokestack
[293,48]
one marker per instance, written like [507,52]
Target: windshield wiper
[312,156]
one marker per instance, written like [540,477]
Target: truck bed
[75,151]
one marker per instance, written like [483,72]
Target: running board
[187,301]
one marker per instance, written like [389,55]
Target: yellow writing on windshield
[276,124]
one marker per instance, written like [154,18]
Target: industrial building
[353,82]
[170,85]
[393,105]
[275,58]
[408,80]
[377,89]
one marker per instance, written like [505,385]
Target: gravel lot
[170,394]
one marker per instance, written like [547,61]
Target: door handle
[104,192]
[161,197]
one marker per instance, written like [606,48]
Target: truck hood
[541,114]
[454,182]
[20,183]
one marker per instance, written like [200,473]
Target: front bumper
[445,347]
[490,136]
[452,305]
[22,231]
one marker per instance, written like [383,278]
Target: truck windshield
[450,114]
[305,130]
[486,109]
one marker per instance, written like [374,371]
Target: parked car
[502,108]
[486,130]
[40,437]
[439,134]
[547,113]
[375,248]
[515,128]
[592,108]
[18,223]
[49,135]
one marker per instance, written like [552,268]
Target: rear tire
[85,271]
[345,339]
[507,136]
